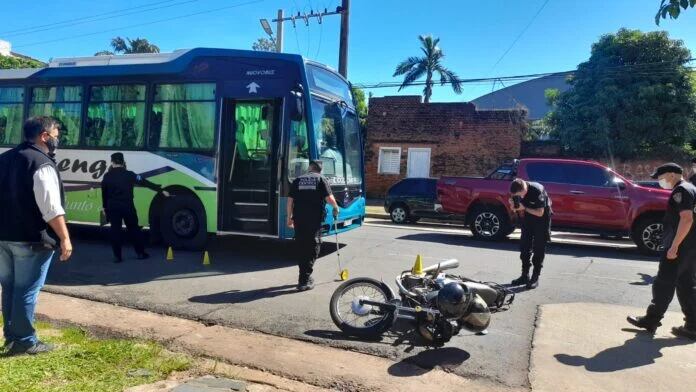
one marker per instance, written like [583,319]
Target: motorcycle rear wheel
[365,321]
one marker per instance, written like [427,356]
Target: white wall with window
[389,160]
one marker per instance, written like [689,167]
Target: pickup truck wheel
[399,214]
[489,223]
[647,235]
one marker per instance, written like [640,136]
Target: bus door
[249,150]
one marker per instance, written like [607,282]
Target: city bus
[223,131]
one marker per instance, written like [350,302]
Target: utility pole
[341,10]
[279,32]
[343,47]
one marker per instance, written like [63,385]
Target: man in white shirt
[31,217]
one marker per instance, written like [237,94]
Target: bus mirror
[297,109]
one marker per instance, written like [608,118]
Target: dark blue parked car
[413,198]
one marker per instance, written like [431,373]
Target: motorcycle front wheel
[361,320]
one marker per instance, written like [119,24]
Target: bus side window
[11,115]
[298,151]
[64,103]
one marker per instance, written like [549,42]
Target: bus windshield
[338,141]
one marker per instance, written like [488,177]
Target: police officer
[306,208]
[530,200]
[677,267]
[692,179]
[117,201]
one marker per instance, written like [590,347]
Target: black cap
[667,168]
[117,158]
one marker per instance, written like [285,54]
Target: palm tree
[138,45]
[415,67]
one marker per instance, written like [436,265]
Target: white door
[419,162]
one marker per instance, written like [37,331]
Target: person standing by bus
[117,202]
[31,204]
[306,208]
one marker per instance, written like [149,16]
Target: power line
[100,19]
[520,34]
[4,33]
[611,72]
[141,24]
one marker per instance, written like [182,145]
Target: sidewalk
[374,208]
[279,359]
[591,348]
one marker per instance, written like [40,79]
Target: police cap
[117,158]
[667,168]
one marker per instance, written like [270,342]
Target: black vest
[20,217]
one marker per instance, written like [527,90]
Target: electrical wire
[100,19]
[520,35]
[613,72]
[6,33]
[141,24]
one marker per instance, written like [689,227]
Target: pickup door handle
[577,192]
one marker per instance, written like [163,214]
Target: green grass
[82,363]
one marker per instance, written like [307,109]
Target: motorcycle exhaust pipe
[447,264]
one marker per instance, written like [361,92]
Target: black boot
[523,279]
[644,323]
[534,282]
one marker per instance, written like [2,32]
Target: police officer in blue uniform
[677,269]
[309,194]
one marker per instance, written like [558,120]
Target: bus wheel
[183,224]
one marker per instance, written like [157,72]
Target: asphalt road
[251,284]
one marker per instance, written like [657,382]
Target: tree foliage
[360,103]
[264,45]
[672,8]
[10,62]
[129,46]
[414,68]
[632,97]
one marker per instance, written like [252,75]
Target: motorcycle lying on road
[439,304]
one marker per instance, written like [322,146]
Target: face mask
[52,144]
[664,184]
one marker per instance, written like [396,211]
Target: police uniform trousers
[679,274]
[117,215]
[307,247]
[535,235]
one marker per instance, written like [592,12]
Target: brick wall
[463,140]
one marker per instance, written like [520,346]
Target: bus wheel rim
[184,223]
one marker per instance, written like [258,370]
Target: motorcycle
[439,304]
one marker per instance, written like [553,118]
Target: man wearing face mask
[31,214]
[117,201]
[692,179]
[677,267]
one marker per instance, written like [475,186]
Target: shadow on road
[238,297]
[446,358]
[645,280]
[641,350]
[571,250]
[91,263]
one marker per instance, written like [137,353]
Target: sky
[484,38]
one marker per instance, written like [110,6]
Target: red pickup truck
[586,197]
